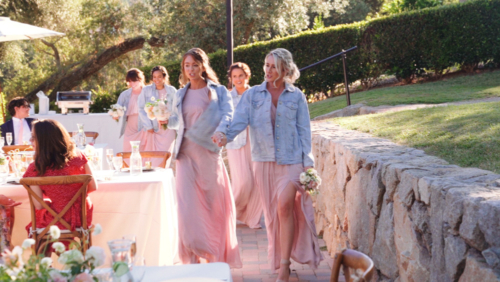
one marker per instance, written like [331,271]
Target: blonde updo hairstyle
[285,66]
[201,58]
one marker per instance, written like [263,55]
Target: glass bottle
[81,139]
[135,159]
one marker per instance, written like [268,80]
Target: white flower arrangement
[310,180]
[157,109]
[116,111]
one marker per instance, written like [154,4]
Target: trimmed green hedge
[407,45]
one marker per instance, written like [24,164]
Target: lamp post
[229,31]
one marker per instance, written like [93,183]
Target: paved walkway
[253,250]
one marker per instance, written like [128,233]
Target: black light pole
[346,81]
[229,31]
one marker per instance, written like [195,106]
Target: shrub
[102,100]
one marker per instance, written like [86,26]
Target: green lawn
[450,90]
[465,135]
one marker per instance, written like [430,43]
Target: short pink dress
[207,216]
[271,179]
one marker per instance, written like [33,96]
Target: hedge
[407,45]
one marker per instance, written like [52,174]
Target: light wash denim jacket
[145,97]
[291,142]
[241,139]
[216,117]
[123,101]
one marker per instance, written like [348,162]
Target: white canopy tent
[12,30]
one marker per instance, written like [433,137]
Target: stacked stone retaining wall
[418,217]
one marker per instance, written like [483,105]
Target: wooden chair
[92,134]
[351,259]
[9,205]
[164,155]
[21,148]
[41,235]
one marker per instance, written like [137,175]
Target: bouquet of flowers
[116,111]
[157,109]
[310,180]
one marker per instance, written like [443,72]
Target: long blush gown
[131,132]
[271,179]
[246,195]
[207,217]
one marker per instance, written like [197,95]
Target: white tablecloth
[108,128]
[143,206]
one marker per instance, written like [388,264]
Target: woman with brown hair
[56,155]
[131,124]
[159,139]
[246,196]
[207,217]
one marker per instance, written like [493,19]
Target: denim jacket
[145,97]
[291,141]
[241,139]
[216,117]
[123,101]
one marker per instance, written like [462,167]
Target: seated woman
[56,155]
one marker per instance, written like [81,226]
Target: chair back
[21,148]
[351,259]
[164,155]
[92,134]
[27,182]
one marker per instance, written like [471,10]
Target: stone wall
[418,217]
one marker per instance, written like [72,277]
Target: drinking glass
[28,159]
[120,251]
[109,158]
[96,161]
[2,141]
[133,247]
[118,163]
[4,171]
[8,136]
[139,269]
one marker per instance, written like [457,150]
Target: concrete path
[253,250]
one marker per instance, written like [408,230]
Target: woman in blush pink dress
[159,138]
[207,217]
[280,136]
[131,126]
[246,195]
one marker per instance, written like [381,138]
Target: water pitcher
[80,138]
[135,159]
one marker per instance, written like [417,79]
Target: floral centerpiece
[157,109]
[77,267]
[310,180]
[116,111]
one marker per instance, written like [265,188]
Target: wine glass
[28,159]
[109,158]
[138,269]
[2,141]
[8,137]
[96,160]
[118,163]
[133,247]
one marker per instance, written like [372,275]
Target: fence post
[348,96]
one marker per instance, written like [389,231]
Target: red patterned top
[60,195]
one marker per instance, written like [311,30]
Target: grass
[465,135]
[448,90]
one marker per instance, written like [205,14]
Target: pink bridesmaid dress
[271,179]
[131,132]
[207,216]
[163,140]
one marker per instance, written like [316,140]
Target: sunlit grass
[450,90]
[466,135]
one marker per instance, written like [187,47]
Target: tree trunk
[68,79]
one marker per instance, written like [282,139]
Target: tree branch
[56,53]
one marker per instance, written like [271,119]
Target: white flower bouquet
[157,109]
[310,180]
[116,111]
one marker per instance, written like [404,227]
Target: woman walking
[159,139]
[246,196]
[280,134]
[207,218]
[131,126]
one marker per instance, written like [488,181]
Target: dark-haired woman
[55,155]
[207,216]
[131,124]
[159,139]
[239,157]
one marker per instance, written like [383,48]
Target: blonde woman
[159,139]
[207,217]
[246,197]
[131,125]
[280,136]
